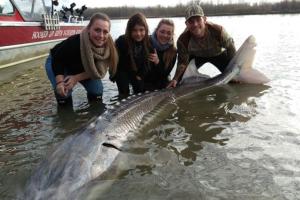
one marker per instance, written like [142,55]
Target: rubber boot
[94,98]
[68,101]
[96,106]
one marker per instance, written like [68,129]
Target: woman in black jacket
[162,41]
[134,49]
[83,58]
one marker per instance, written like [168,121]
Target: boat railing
[51,22]
[75,19]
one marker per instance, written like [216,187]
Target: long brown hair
[113,59]
[171,52]
[137,19]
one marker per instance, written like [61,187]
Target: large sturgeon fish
[84,156]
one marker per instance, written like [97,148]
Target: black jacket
[66,57]
[143,66]
[159,76]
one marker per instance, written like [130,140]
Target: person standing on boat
[134,49]
[203,41]
[162,41]
[83,58]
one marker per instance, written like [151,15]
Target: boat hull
[28,43]
[25,53]
[21,42]
[18,33]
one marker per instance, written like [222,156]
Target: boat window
[31,10]
[6,8]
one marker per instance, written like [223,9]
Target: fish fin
[244,59]
[191,74]
[244,56]
[251,76]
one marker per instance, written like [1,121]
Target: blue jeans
[94,87]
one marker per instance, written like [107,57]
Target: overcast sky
[143,3]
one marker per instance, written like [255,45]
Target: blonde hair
[171,52]
[113,58]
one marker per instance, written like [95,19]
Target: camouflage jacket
[215,41]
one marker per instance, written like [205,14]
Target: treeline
[291,6]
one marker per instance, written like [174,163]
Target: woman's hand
[70,82]
[138,78]
[65,85]
[61,89]
[153,57]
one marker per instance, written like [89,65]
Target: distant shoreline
[217,15]
[284,7]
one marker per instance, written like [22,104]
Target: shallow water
[230,142]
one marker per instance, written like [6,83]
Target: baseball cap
[193,10]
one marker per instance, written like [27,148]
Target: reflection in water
[181,157]
[30,123]
[237,142]
[202,116]
[70,120]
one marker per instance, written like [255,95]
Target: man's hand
[172,84]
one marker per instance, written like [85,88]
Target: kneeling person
[202,41]
[84,58]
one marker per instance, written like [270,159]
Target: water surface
[230,142]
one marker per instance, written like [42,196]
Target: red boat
[29,28]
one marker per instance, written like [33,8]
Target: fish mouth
[109,145]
